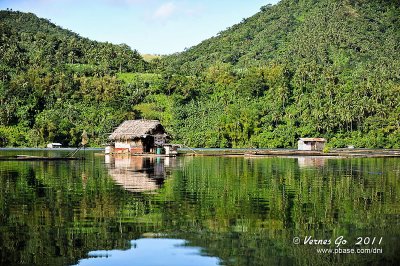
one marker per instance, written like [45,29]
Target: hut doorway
[148,143]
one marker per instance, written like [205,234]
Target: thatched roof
[313,139]
[134,129]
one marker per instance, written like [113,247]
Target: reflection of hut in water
[137,137]
[138,174]
[135,182]
[310,161]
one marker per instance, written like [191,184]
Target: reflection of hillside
[244,212]
[138,173]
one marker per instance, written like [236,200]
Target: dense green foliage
[301,68]
[54,84]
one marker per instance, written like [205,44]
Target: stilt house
[137,137]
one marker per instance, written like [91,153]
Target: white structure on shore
[54,145]
[311,144]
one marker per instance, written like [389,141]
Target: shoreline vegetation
[342,153]
[293,70]
[243,152]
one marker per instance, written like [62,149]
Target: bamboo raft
[369,153]
[38,158]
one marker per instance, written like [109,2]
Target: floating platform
[127,154]
[343,153]
[38,158]
[153,155]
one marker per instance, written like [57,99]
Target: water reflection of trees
[245,211]
[264,200]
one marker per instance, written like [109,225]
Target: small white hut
[311,144]
[54,145]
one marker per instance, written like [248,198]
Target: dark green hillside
[54,83]
[301,68]
[298,28]
[253,42]
[35,41]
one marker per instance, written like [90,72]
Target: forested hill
[54,84]
[311,68]
[306,68]
[297,31]
[36,41]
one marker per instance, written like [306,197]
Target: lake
[199,210]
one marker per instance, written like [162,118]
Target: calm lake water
[199,211]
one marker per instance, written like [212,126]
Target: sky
[149,26]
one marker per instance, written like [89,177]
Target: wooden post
[85,140]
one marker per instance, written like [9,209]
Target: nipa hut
[137,136]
